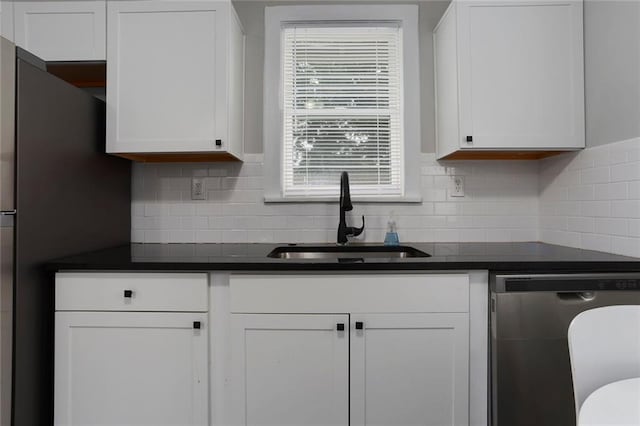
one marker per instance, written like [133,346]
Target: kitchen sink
[345,252]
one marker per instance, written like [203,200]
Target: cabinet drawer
[383,293]
[102,291]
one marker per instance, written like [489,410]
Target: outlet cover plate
[198,191]
[457,186]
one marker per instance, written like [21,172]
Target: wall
[612,70]
[501,204]
[251,13]
[591,200]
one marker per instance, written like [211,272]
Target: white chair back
[604,347]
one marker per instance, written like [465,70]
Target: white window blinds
[342,109]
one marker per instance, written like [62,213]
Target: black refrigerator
[60,194]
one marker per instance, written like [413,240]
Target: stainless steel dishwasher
[530,316]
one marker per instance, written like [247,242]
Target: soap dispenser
[391,238]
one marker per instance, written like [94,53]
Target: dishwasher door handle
[577,296]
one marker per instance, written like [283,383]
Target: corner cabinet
[125,355]
[175,80]
[367,364]
[509,79]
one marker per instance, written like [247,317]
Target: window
[337,97]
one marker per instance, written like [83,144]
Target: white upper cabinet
[6,19]
[175,78]
[509,77]
[61,30]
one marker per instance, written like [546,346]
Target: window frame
[273,115]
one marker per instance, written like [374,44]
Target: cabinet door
[521,74]
[290,370]
[166,73]
[62,30]
[117,368]
[410,369]
[6,20]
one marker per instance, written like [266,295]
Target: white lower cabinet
[410,369]
[358,368]
[115,368]
[291,369]
[283,350]
[401,369]
[122,368]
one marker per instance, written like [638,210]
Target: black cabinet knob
[218,142]
[359,325]
[340,326]
[469,138]
[196,325]
[128,293]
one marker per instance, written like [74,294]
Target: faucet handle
[358,231]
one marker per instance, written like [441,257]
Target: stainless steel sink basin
[345,252]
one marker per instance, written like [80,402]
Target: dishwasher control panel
[565,282]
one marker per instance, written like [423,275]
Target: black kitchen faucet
[345,231]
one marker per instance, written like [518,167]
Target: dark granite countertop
[502,257]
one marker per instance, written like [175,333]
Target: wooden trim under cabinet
[179,157]
[501,155]
[80,73]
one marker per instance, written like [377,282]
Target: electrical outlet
[198,191]
[457,186]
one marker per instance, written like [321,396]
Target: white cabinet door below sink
[290,370]
[410,369]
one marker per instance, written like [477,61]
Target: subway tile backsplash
[589,199]
[501,204]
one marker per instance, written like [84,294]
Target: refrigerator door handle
[7,219]
[6,317]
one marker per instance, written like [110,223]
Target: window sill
[408,199]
